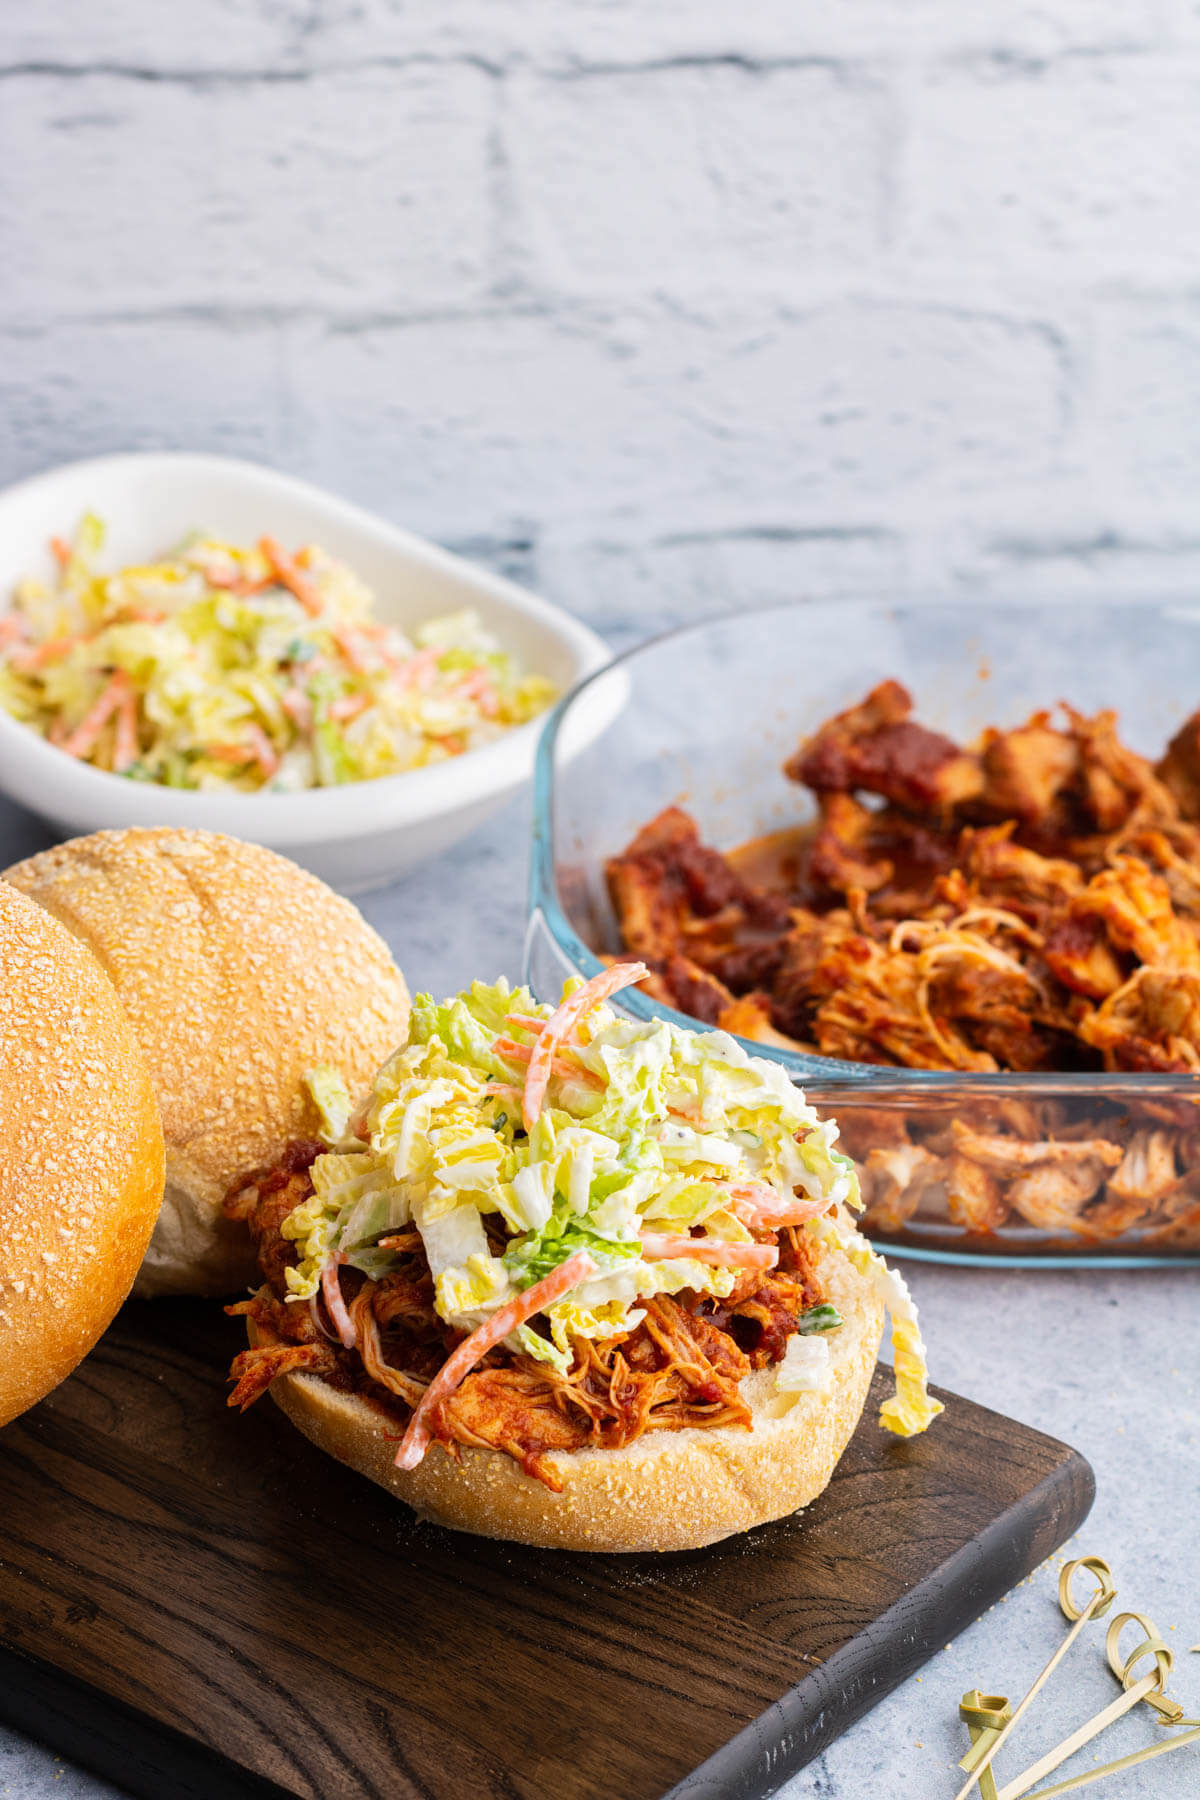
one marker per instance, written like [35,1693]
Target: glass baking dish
[705,717]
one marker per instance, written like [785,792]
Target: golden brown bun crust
[81,1154]
[239,972]
[669,1490]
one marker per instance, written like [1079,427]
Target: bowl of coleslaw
[195,641]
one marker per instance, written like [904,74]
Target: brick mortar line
[294,76]
[599,314]
[569,70]
[858,63]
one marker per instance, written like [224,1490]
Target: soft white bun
[81,1153]
[669,1490]
[239,972]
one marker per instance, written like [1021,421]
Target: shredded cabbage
[240,668]
[332,1101]
[805,1367]
[644,1124]
[912,1408]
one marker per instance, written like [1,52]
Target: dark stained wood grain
[201,1604]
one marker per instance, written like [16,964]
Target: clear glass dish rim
[826,1077]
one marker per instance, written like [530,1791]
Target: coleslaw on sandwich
[543,1205]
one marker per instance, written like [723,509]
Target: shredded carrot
[352,651]
[237,583]
[288,575]
[61,551]
[331,1288]
[83,739]
[298,707]
[418,670]
[34,656]
[125,747]
[262,751]
[10,627]
[349,707]
[503,1090]
[566,1071]
[658,1246]
[480,687]
[756,1203]
[461,1361]
[569,1014]
[220,578]
[689,1114]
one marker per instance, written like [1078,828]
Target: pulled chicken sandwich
[574,1279]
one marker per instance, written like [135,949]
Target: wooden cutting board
[200,1604]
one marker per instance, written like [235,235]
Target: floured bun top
[81,1153]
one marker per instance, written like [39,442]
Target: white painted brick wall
[662,306]
[1089,165]
[352,187]
[700,174]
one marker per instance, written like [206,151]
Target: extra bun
[81,1154]
[239,972]
[669,1490]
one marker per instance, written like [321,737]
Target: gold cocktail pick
[1099,1604]
[1122,1762]
[1168,1710]
[1147,1687]
[986,1716]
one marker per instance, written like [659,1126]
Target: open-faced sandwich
[573,1279]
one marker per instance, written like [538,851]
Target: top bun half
[239,972]
[81,1154]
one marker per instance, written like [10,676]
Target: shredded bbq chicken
[1029,903]
[680,1367]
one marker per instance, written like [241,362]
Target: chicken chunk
[1047,1182]
[1135,907]
[1078,953]
[1179,770]
[1014,1156]
[877,748]
[1025,771]
[974,1196]
[894,1183]
[1151,1023]
[840,857]
[1115,783]
[1052,1195]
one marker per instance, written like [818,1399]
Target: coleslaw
[246,668]
[636,1157]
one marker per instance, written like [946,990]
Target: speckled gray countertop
[1106,1361]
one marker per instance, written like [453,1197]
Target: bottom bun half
[668,1490]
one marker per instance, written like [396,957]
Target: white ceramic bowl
[358,836]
